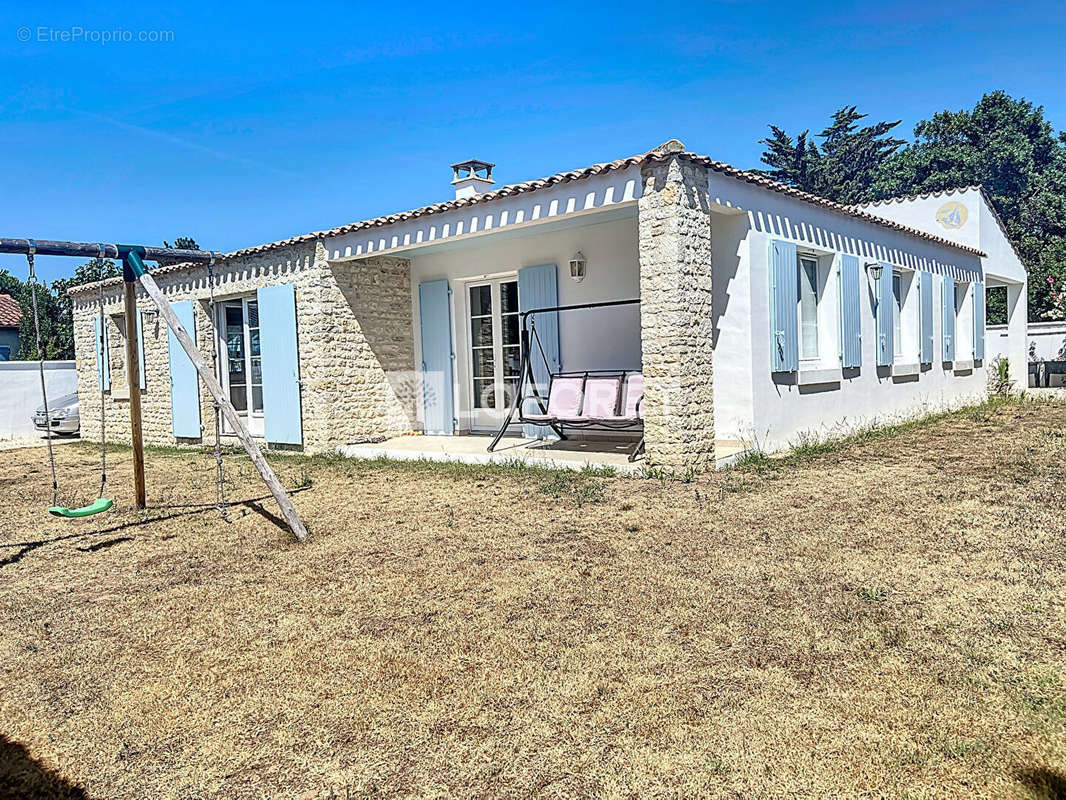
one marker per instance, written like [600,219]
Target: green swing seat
[98,506]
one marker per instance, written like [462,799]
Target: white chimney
[472,178]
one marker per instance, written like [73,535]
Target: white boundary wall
[20,392]
[1045,341]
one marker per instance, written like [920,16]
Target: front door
[492,312]
[240,361]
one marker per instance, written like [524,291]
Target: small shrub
[753,461]
[999,382]
[872,594]
[303,480]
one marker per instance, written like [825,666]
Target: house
[763,314]
[10,319]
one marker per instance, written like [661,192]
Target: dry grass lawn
[886,619]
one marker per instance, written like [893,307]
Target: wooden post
[288,510]
[133,376]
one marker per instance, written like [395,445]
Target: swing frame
[134,272]
[526,376]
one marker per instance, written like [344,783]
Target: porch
[614,248]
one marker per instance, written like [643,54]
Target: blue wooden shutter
[886,301]
[925,315]
[947,304]
[850,316]
[538,287]
[184,382]
[979,321]
[784,307]
[280,364]
[142,382]
[435,316]
[103,357]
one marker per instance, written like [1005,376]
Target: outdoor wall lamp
[873,272]
[577,267]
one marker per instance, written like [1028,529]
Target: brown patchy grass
[882,620]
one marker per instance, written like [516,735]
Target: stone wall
[341,372]
[676,321]
[370,377]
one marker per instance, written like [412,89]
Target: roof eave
[670,149]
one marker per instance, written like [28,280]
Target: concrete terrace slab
[572,454]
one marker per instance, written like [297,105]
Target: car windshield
[57,403]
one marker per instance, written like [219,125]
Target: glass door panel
[240,362]
[494,350]
[510,346]
[235,357]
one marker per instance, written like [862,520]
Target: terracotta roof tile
[661,153]
[10,312]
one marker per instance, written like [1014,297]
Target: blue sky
[263,120]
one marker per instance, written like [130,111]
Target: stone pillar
[675,314]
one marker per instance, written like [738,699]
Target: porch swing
[602,400]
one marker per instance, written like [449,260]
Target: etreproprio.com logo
[78,34]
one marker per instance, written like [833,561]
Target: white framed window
[963,321]
[897,312]
[818,318]
[906,317]
[240,363]
[808,307]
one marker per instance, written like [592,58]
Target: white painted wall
[772,410]
[980,229]
[592,339]
[21,392]
[1046,342]
[921,213]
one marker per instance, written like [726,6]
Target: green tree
[844,167]
[1007,146]
[62,309]
[54,335]
[183,243]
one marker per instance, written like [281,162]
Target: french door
[240,361]
[495,353]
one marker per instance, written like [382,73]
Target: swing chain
[100,355]
[223,509]
[32,283]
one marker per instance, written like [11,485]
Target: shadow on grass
[23,549]
[22,776]
[1043,783]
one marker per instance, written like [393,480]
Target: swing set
[134,272]
[604,400]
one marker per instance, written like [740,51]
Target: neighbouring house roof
[10,312]
[664,152]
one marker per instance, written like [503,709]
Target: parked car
[65,416]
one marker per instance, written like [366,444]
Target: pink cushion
[564,397]
[634,394]
[601,397]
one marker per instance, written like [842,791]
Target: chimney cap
[473,164]
[471,177]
